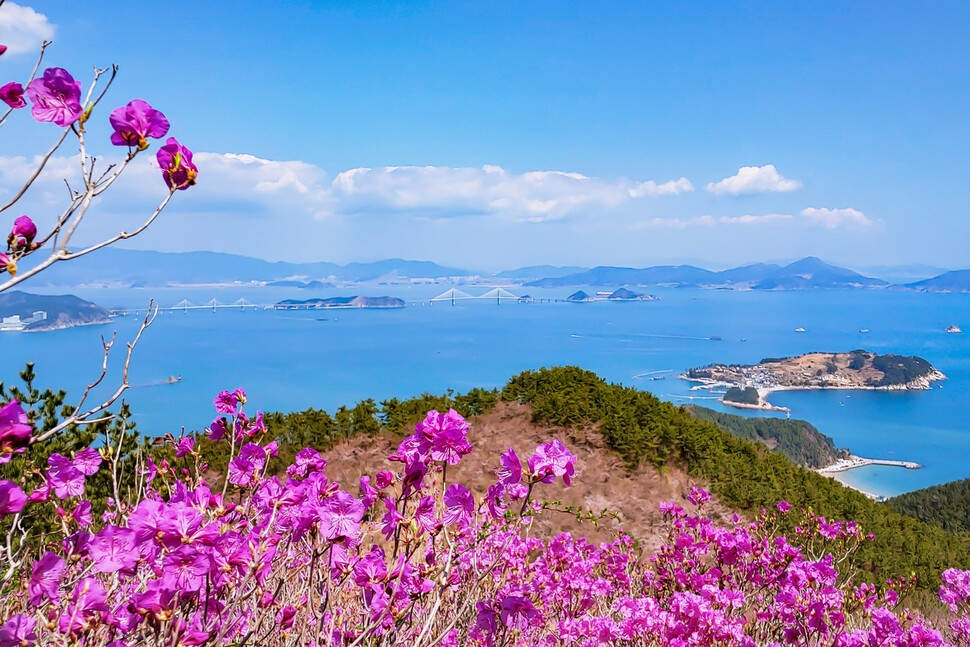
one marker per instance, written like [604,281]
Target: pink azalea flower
[459,505]
[12,94]
[178,171]
[18,631]
[135,123]
[15,427]
[371,568]
[12,498]
[552,460]
[443,436]
[185,447]
[82,514]
[383,479]
[113,549]
[391,519]
[226,402]
[87,605]
[45,579]
[218,429]
[518,612]
[510,472]
[7,263]
[42,493]
[66,479]
[185,569]
[3,50]
[56,97]
[23,232]
[87,461]
[340,516]
[424,515]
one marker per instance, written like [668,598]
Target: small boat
[863,330]
[744,339]
[658,377]
[714,338]
[173,380]
[799,330]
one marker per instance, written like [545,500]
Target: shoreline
[837,470]
[922,383]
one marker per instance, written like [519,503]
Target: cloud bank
[832,218]
[750,180]
[22,29]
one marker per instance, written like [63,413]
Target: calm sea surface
[293,360]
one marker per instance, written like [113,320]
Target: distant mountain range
[804,274]
[131,268]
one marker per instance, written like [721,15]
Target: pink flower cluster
[407,558]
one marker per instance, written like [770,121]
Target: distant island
[622,294]
[340,302]
[25,312]
[299,284]
[748,386]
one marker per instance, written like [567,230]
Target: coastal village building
[16,323]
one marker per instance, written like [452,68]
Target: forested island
[749,385]
[22,311]
[340,302]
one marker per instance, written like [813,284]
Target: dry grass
[601,481]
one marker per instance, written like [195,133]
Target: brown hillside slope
[600,481]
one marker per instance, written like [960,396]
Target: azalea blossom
[23,232]
[19,630]
[134,123]
[15,427]
[56,97]
[7,263]
[178,171]
[551,460]
[459,505]
[12,94]
[12,498]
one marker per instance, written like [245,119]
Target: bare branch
[64,255]
[37,172]
[85,417]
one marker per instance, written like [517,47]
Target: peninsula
[25,312]
[748,386]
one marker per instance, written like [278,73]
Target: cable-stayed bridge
[242,304]
[454,295]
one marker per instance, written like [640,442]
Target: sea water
[291,360]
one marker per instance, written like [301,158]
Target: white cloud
[832,218]
[754,220]
[711,221]
[256,186]
[651,188]
[441,191]
[753,179]
[22,29]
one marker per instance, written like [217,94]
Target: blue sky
[493,135]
